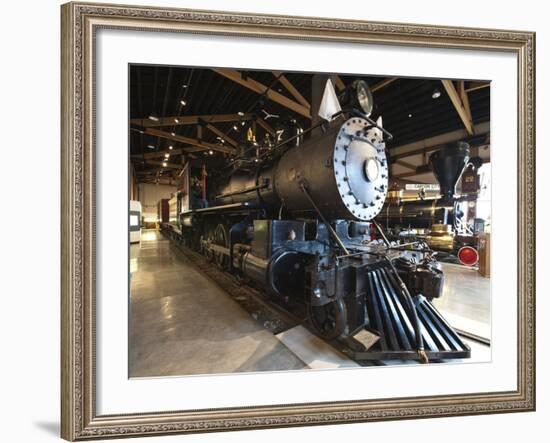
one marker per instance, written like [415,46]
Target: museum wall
[149,194]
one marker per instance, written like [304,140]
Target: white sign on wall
[419,186]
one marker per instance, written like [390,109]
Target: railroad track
[273,316]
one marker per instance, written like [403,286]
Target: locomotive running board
[392,322]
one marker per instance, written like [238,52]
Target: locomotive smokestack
[448,164]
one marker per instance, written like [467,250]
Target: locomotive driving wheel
[204,240]
[329,320]
[220,237]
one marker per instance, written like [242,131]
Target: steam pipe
[322,217]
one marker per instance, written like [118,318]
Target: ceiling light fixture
[150,146]
[436,93]
[240,114]
[154,118]
[164,164]
[170,147]
[173,134]
[211,152]
[177,120]
[235,127]
[410,115]
[183,102]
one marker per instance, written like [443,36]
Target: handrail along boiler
[297,219]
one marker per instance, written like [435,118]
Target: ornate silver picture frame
[80,22]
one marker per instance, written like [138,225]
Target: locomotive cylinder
[281,274]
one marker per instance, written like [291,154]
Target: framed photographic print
[282,221]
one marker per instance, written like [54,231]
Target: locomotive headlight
[372,169]
[363,96]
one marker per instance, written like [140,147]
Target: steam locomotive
[296,218]
[442,218]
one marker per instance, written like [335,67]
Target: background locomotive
[441,222]
[295,216]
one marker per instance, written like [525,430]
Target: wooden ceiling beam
[190,141]
[161,163]
[148,171]
[156,173]
[171,152]
[261,89]
[164,179]
[421,169]
[158,181]
[407,174]
[459,106]
[474,86]
[404,164]
[181,120]
[431,143]
[382,84]
[340,85]
[265,125]
[223,136]
[290,88]
[464,98]
[396,158]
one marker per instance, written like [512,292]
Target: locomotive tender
[297,219]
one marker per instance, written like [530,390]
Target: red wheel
[468,256]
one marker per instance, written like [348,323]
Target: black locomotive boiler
[297,219]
